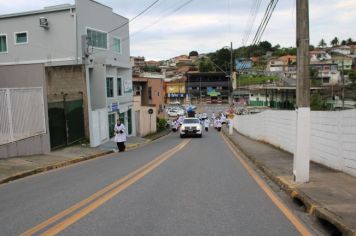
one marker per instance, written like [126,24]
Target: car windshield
[191,121]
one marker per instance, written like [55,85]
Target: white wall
[100,127]
[333,134]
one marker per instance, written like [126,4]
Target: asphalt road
[200,189]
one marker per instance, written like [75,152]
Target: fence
[22,114]
[333,134]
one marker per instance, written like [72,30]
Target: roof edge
[48,9]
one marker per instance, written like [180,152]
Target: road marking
[275,199]
[102,196]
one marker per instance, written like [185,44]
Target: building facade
[207,87]
[175,90]
[86,66]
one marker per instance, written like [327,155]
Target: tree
[205,65]
[343,42]
[151,69]
[352,78]
[334,42]
[193,54]
[221,58]
[317,102]
[349,41]
[265,45]
[322,43]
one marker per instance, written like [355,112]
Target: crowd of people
[215,120]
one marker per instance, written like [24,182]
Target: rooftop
[55,8]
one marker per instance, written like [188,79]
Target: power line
[179,7]
[251,20]
[139,14]
[265,20]
[161,18]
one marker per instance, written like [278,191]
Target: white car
[172,112]
[191,126]
[175,112]
[180,112]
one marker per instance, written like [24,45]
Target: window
[109,87]
[97,39]
[149,92]
[119,87]
[3,43]
[111,118]
[21,38]
[117,45]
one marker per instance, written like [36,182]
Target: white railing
[22,114]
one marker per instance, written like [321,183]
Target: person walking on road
[218,124]
[213,116]
[206,124]
[120,136]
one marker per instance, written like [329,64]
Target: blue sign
[175,95]
[114,106]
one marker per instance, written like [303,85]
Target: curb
[70,162]
[313,208]
[51,167]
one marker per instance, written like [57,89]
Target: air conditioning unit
[43,22]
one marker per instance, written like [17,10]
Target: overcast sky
[208,25]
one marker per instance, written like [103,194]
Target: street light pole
[301,161]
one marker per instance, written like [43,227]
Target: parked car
[191,127]
[175,112]
[172,112]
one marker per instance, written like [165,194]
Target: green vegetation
[317,103]
[161,124]
[352,78]
[264,50]
[193,54]
[205,65]
[244,80]
[151,69]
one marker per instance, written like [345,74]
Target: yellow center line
[275,199]
[154,163]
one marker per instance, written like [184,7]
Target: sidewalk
[330,195]
[18,167]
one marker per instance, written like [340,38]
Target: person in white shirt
[180,120]
[206,124]
[120,136]
[215,122]
[213,116]
[175,125]
[223,118]
[218,124]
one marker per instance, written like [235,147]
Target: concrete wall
[143,124]
[97,16]
[158,94]
[57,43]
[18,76]
[333,134]
[99,126]
[69,80]
[98,86]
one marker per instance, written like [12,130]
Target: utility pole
[301,163]
[343,84]
[231,71]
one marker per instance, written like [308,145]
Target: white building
[83,53]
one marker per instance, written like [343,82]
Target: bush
[161,124]
[317,103]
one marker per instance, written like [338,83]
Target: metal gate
[66,122]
